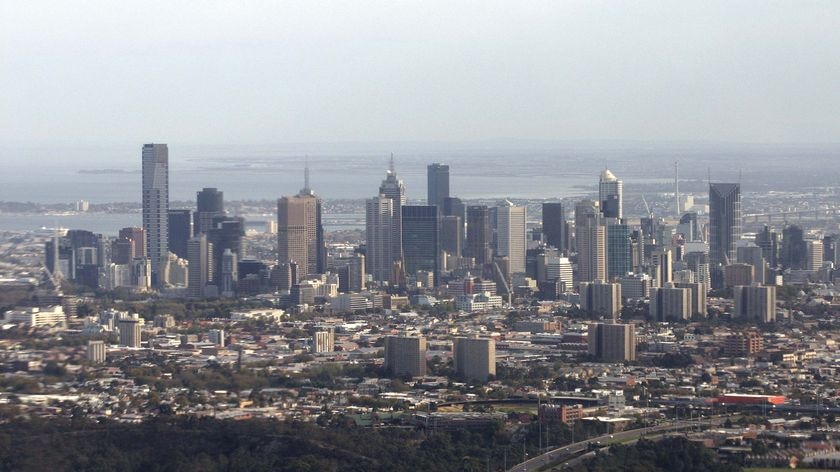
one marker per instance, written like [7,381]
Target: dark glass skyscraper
[437,183]
[554,225]
[156,206]
[479,234]
[420,236]
[210,203]
[180,231]
[724,222]
[619,251]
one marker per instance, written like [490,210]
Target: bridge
[828,213]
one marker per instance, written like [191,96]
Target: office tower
[768,241]
[698,262]
[138,237]
[299,234]
[612,342]
[554,225]
[453,206]
[226,233]
[474,358]
[813,255]
[351,273]
[394,189]
[511,237]
[229,273]
[689,227]
[405,355]
[217,337]
[698,296]
[180,231]
[379,225]
[619,251]
[437,180]
[479,235]
[794,250]
[551,268]
[200,256]
[738,274]
[96,352]
[611,195]
[724,222]
[670,303]
[755,303]
[323,341]
[451,235]
[129,331]
[210,204]
[156,206]
[754,256]
[590,237]
[601,298]
[122,251]
[420,239]
[663,263]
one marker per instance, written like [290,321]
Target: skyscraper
[210,203]
[138,237]
[590,238]
[156,206]
[479,235]
[421,236]
[300,233]
[554,225]
[611,195]
[511,235]
[619,251]
[437,180]
[180,231]
[379,225]
[200,256]
[451,235]
[724,222]
[394,188]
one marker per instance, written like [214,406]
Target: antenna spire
[306,174]
[391,164]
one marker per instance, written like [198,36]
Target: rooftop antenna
[391,164]
[306,174]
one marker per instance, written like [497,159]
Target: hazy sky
[272,72]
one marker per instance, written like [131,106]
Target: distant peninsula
[107,171]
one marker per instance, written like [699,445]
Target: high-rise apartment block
[475,358]
[755,303]
[601,297]
[156,206]
[612,342]
[405,355]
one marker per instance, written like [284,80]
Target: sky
[257,72]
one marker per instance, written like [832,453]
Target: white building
[37,317]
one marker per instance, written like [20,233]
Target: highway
[569,452]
